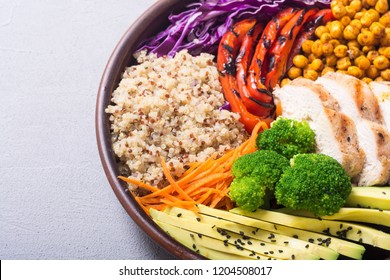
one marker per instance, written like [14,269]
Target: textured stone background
[55,201]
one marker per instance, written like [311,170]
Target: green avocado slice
[341,229]
[362,215]
[369,197]
[343,247]
[256,233]
[205,231]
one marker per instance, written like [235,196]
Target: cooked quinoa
[170,108]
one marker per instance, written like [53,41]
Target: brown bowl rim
[120,58]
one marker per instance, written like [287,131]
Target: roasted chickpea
[321,30]
[284,82]
[340,50]
[342,71]
[356,23]
[379,79]
[326,70]
[370,2]
[362,62]
[359,15]
[334,42]
[377,29]
[294,72]
[336,29]
[381,62]
[356,5]
[306,46]
[325,38]
[345,20]
[327,49]
[343,63]
[316,65]
[355,71]
[369,17]
[366,80]
[366,38]
[354,43]
[382,6]
[385,51]
[316,48]
[385,40]
[331,60]
[350,32]
[385,19]
[367,49]
[339,11]
[350,13]
[371,55]
[385,74]
[372,72]
[300,61]
[310,74]
[353,52]
[311,57]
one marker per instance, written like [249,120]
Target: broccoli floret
[255,175]
[316,183]
[287,137]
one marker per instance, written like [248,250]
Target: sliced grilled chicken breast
[357,101]
[335,133]
[354,96]
[382,93]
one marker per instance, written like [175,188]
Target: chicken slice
[335,133]
[357,101]
[382,93]
[354,96]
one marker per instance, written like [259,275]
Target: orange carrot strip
[172,181]
[138,183]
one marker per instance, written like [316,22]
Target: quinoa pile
[170,108]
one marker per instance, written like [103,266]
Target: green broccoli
[287,137]
[255,175]
[316,183]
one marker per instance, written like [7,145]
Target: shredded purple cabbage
[200,27]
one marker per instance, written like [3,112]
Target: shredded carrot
[203,183]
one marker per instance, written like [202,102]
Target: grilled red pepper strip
[227,52]
[243,59]
[255,86]
[280,50]
[307,31]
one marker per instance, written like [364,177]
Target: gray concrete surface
[55,201]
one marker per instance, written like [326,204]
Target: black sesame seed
[307,246]
[280,251]
[311,240]
[293,257]
[179,215]
[295,236]
[198,219]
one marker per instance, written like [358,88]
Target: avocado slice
[343,247]
[256,233]
[230,239]
[345,230]
[369,197]
[204,246]
[363,215]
